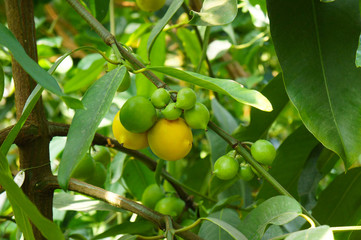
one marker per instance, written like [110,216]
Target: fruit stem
[193,225]
[247,156]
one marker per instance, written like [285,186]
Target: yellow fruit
[170,139]
[129,140]
[150,5]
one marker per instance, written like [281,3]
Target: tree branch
[116,201]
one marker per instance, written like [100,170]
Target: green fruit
[102,155]
[170,112]
[150,5]
[84,168]
[186,99]
[160,98]
[197,117]
[151,195]
[125,83]
[245,172]
[171,206]
[112,66]
[137,114]
[226,167]
[263,152]
[98,176]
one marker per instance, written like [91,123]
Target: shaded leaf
[49,229]
[338,203]
[277,210]
[172,9]
[262,121]
[2,81]
[320,233]
[137,177]
[137,227]
[224,86]
[97,101]
[30,66]
[288,164]
[215,12]
[227,221]
[226,121]
[191,45]
[329,107]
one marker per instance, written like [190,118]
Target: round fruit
[125,84]
[170,140]
[151,195]
[84,168]
[226,167]
[150,5]
[263,151]
[197,117]
[128,139]
[138,114]
[103,155]
[171,206]
[186,99]
[170,112]
[99,175]
[160,98]
[245,172]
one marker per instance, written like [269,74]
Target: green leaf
[22,221]
[338,203]
[2,81]
[277,210]
[215,12]
[65,201]
[227,222]
[262,121]
[32,68]
[358,54]
[320,233]
[224,86]
[226,121]
[97,101]
[49,229]
[325,89]
[84,77]
[191,45]
[172,9]
[137,177]
[288,164]
[137,227]
[156,57]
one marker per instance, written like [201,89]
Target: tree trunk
[34,152]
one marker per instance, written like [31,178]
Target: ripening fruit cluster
[137,125]
[231,165]
[155,198]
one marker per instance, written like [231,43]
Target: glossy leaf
[324,88]
[215,12]
[16,196]
[338,204]
[288,164]
[96,101]
[30,66]
[2,81]
[172,9]
[224,86]
[262,121]
[226,222]
[320,233]
[277,210]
